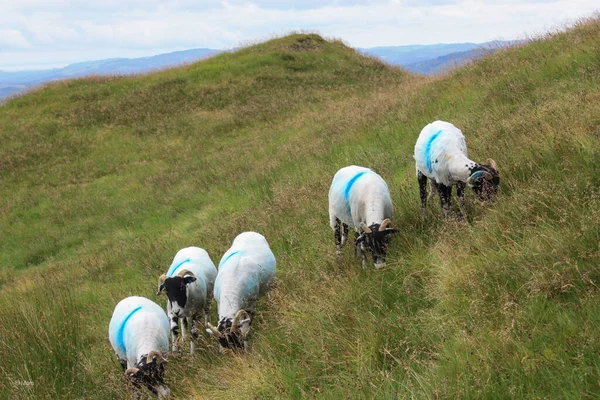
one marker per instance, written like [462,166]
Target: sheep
[189,286]
[359,197]
[441,155]
[139,334]
[246,271]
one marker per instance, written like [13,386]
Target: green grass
[103,179]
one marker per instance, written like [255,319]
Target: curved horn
[384,224]
[492,164]
[236,319]
[161,281]
[185,272]
[214,330]
[366,229]
[131,372]
[488,176]
[155,356]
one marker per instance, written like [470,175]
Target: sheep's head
[375,239]
[150,372]
[484,180]
[231,332]
[176,288]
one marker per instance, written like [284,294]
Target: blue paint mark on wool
[174,268]
[351,183]
[121,330]
[428,160]
[228,257]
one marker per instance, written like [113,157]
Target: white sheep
[360,198]
[139,334]
[245,273]
[441,155]
[189,286]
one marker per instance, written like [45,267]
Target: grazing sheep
[245,273]
[441,155]
[189,286]
[360,197]
[139,334]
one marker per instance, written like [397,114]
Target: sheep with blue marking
[360,198]
[189,284]
[139,334]
[441,156]
[246,272]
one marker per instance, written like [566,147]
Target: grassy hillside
[102,180]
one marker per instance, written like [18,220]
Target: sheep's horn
[366,229]
[488,176]
[155,356]
[185,272]
[214,330]
[130,372]
[236,319]
[492,164]
[384,224]
[161,281]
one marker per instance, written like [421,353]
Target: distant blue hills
[18,81]
[427,59]
[435,58]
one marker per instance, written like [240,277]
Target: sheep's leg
[460,193]
[208,307]
[344,234]
[445,192]
[432,189]
[193,334]
[363,254]
[422,190]
[338,237]
[174,332]
[123,362]
[184,327]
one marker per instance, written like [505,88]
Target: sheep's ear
[189,279]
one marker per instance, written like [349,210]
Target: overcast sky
[50,33]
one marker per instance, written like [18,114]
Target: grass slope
[104,179]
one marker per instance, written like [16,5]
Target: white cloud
[12,39]
[124,27]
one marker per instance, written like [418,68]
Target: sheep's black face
[151,375]
[485,189]
[229,339]
[176,288]
[376,242]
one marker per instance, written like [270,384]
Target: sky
[38,34]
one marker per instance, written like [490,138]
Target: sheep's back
[200,264]
[124,320]
[438,143]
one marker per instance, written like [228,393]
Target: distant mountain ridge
[435,58]
[18,81]
[427,59]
